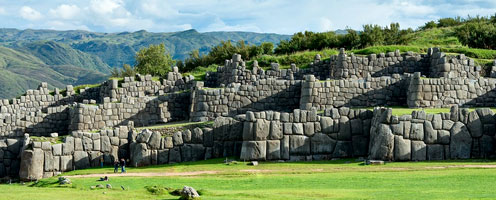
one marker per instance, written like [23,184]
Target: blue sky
[273,16]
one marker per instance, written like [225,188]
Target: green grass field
[340,179]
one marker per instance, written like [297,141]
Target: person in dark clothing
[123,165]
[116,166]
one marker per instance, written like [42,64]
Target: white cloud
[278,16]
[105,6]
[29,13]
[158,9]
[219,25]
[65,11]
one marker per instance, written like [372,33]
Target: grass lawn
[341,179]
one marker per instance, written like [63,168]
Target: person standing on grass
[101,161]
[116,166]
[123,165]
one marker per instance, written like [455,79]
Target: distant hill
[29,56]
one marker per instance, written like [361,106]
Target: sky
[265,16]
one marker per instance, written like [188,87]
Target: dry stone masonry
[317,113]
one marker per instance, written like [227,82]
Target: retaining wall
[446,92]
[265,94]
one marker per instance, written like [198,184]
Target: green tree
[154,60]
[371,35]
[447,22]
[268,48]
[477,35]
[429,25]
[127,71]
[351,40]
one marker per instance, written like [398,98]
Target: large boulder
[343,149]
[322,144]
[417,131]
[273,149]
[344,129]
[299,144]
[474,124]
[419,150]
[140,155]
[262,129]
[382,143]
[435,152]
[144,136]
[31,165]
[253,150]
[402,148]
[81,160]
[275,130]
[461,141]
[155,140]
[430,135]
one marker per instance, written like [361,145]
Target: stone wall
[460,134]
[144,86]
[368,92]
[265,94]
[450,66]
[80,150]
[304,135]
[384,64]
[446,92]
[235,71]
[10,149]
[142,111]
[41,111]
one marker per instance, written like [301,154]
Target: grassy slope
[54,53]
[20,71]
[422,40]
[341,179]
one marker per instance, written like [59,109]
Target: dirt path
[195,173]
[146,174]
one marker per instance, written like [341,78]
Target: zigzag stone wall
[446,92]
[266,94]
[142,111]
[371,91]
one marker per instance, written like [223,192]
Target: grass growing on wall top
[175,124]
[200,72]
[398,111]
[53,140]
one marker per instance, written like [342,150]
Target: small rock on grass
[189,193]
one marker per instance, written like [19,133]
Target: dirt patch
[256,170]
[147,174]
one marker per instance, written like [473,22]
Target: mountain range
[28,57]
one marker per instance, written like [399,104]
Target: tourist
[116,166]
[123,165]
[101,161]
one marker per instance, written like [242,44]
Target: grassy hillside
[54,53]
[20,71]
